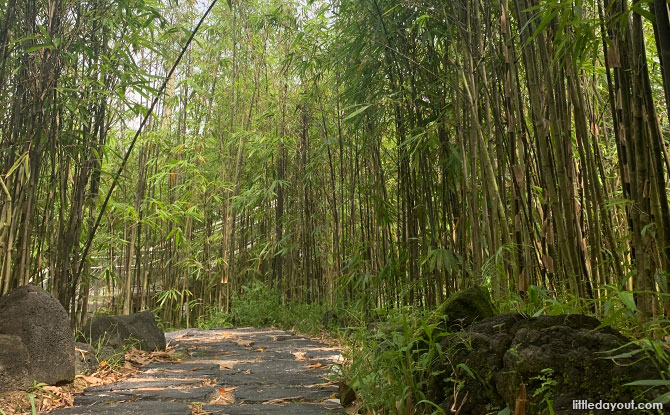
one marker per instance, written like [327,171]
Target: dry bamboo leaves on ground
[47,398]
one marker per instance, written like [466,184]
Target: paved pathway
[237,372]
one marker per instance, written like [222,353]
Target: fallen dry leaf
[300,356]
[196,409]
[321,385]
[315,365]
[91,380]
[354,409]
[82,352]
[137,357]
[56,390]
[521,400]
[225,397]
[162,355]
[244,343]
[141,357]
[280,401]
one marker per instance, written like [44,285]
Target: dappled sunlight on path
[231,371]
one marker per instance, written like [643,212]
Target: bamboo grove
[375,153]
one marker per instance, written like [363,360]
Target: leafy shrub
[390,369]
[214,319]
[259,305]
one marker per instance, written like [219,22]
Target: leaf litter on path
[58,397]
[48,398]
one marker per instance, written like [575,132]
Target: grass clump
[390,366]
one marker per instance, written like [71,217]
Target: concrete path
[237,372]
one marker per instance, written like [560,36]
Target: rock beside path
[14,363]
[233,372]
[43,326]
[113,331]
[544,361]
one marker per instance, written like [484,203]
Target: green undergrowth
[390,362]
[259,305]
[390,354]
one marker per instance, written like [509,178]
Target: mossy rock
[459,311]
[464,308]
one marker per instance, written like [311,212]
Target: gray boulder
[42,323]
[85,359]
[14,364]
[113,331]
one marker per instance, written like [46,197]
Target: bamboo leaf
[665,398]
[649,382]
[628,300]
[357,112]
[40,47]
[16,164]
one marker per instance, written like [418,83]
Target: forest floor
[230,371]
